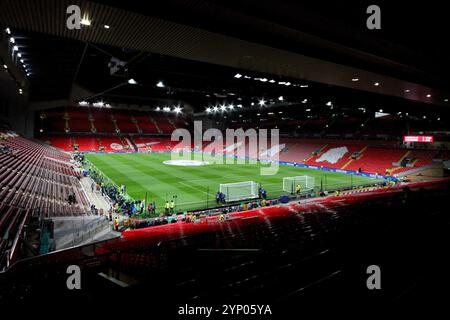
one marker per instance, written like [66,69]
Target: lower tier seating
[35,175]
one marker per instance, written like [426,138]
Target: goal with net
[290,183]
[239,190]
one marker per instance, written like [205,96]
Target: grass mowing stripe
[142,176]
[167,174]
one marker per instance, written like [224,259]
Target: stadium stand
[369,156]
[86,143]
[163,123]
[335,155]
[415,159]
[124,122]
[146,123]
[105,120]
[34,179]
[79,121]
[348,126]
[61,142]
[53,121]
[100,122]
[139,131]
[377,160]
[287,251]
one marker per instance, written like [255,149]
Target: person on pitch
[172,206]
[218,196]
[167,208]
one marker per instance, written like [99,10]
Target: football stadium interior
[184,153]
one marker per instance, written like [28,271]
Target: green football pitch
[195,186]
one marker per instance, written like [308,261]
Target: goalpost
[239,190]
[290,183]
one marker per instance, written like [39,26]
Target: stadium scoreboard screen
[426,139]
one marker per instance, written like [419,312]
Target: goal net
[290,184]
[239,190]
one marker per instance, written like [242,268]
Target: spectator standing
[218,196]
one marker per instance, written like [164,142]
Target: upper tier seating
[86,144]
[62,142]
[53,121]
[353,126]
[104,120]
[178,122]
[163,123]
[146,122]
[288,250]
[125,122]
[78,122]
